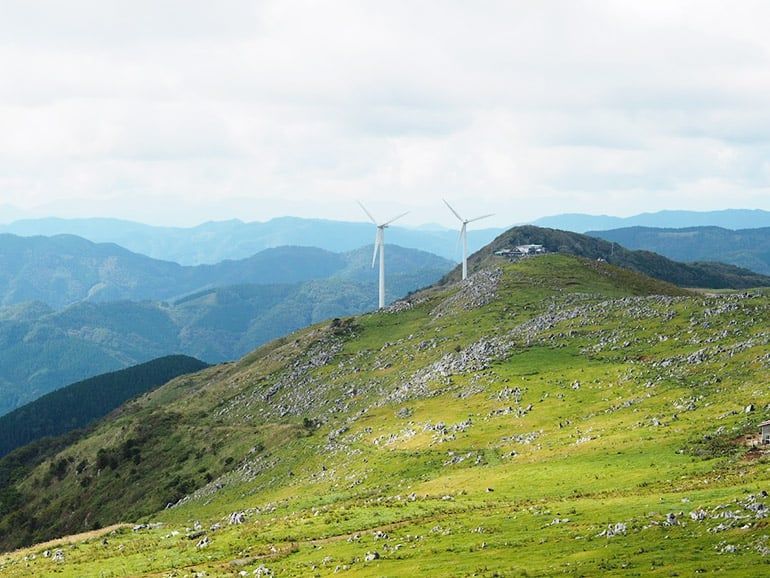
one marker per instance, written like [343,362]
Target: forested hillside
[748,248]
[77,405]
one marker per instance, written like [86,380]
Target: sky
[181,111]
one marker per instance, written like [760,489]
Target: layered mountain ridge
[748,248]
[65,269]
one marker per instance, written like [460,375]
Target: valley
[43,347]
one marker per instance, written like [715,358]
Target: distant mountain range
[42,348]
[728,219]
[65,269]
[749,248]
[696,275]
[213,242]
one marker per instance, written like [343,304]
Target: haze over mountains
[65,269]
[212,242]
[728,219]
[749,248]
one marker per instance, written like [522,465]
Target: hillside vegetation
[552,416]
[749,248]
[77,405]
[709,275]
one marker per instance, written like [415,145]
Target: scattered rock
[618,529]
[203,543]
[236,518]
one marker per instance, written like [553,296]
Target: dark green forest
[79,404]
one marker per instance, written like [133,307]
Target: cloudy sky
[181,111]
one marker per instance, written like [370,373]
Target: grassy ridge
[699,274]
[493,428]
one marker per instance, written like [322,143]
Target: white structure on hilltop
[521,251]
[530,249]
[464,235]
[379,243]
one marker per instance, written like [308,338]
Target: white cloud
[177,110]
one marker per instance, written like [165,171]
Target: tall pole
[465,252]
[382,269]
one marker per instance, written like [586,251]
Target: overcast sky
[180,111]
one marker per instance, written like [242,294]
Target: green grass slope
[552,416]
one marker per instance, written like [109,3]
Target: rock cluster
[476,291]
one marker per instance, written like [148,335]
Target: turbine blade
[377,242]
[368,214]
[481,217]
[386,223]
[451,209]
[460,237]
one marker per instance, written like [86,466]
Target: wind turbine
[379,243]
[464,235]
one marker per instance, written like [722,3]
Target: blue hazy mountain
[749,248]
[66,269]
[728,219]
[213,242]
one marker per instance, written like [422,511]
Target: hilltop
[748,248]
[703,275]
[553,415]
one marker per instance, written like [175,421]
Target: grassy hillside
[704,275]
[748,248]
[553,416]
[77,405]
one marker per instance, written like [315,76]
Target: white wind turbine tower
[464,235]
[379,243]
